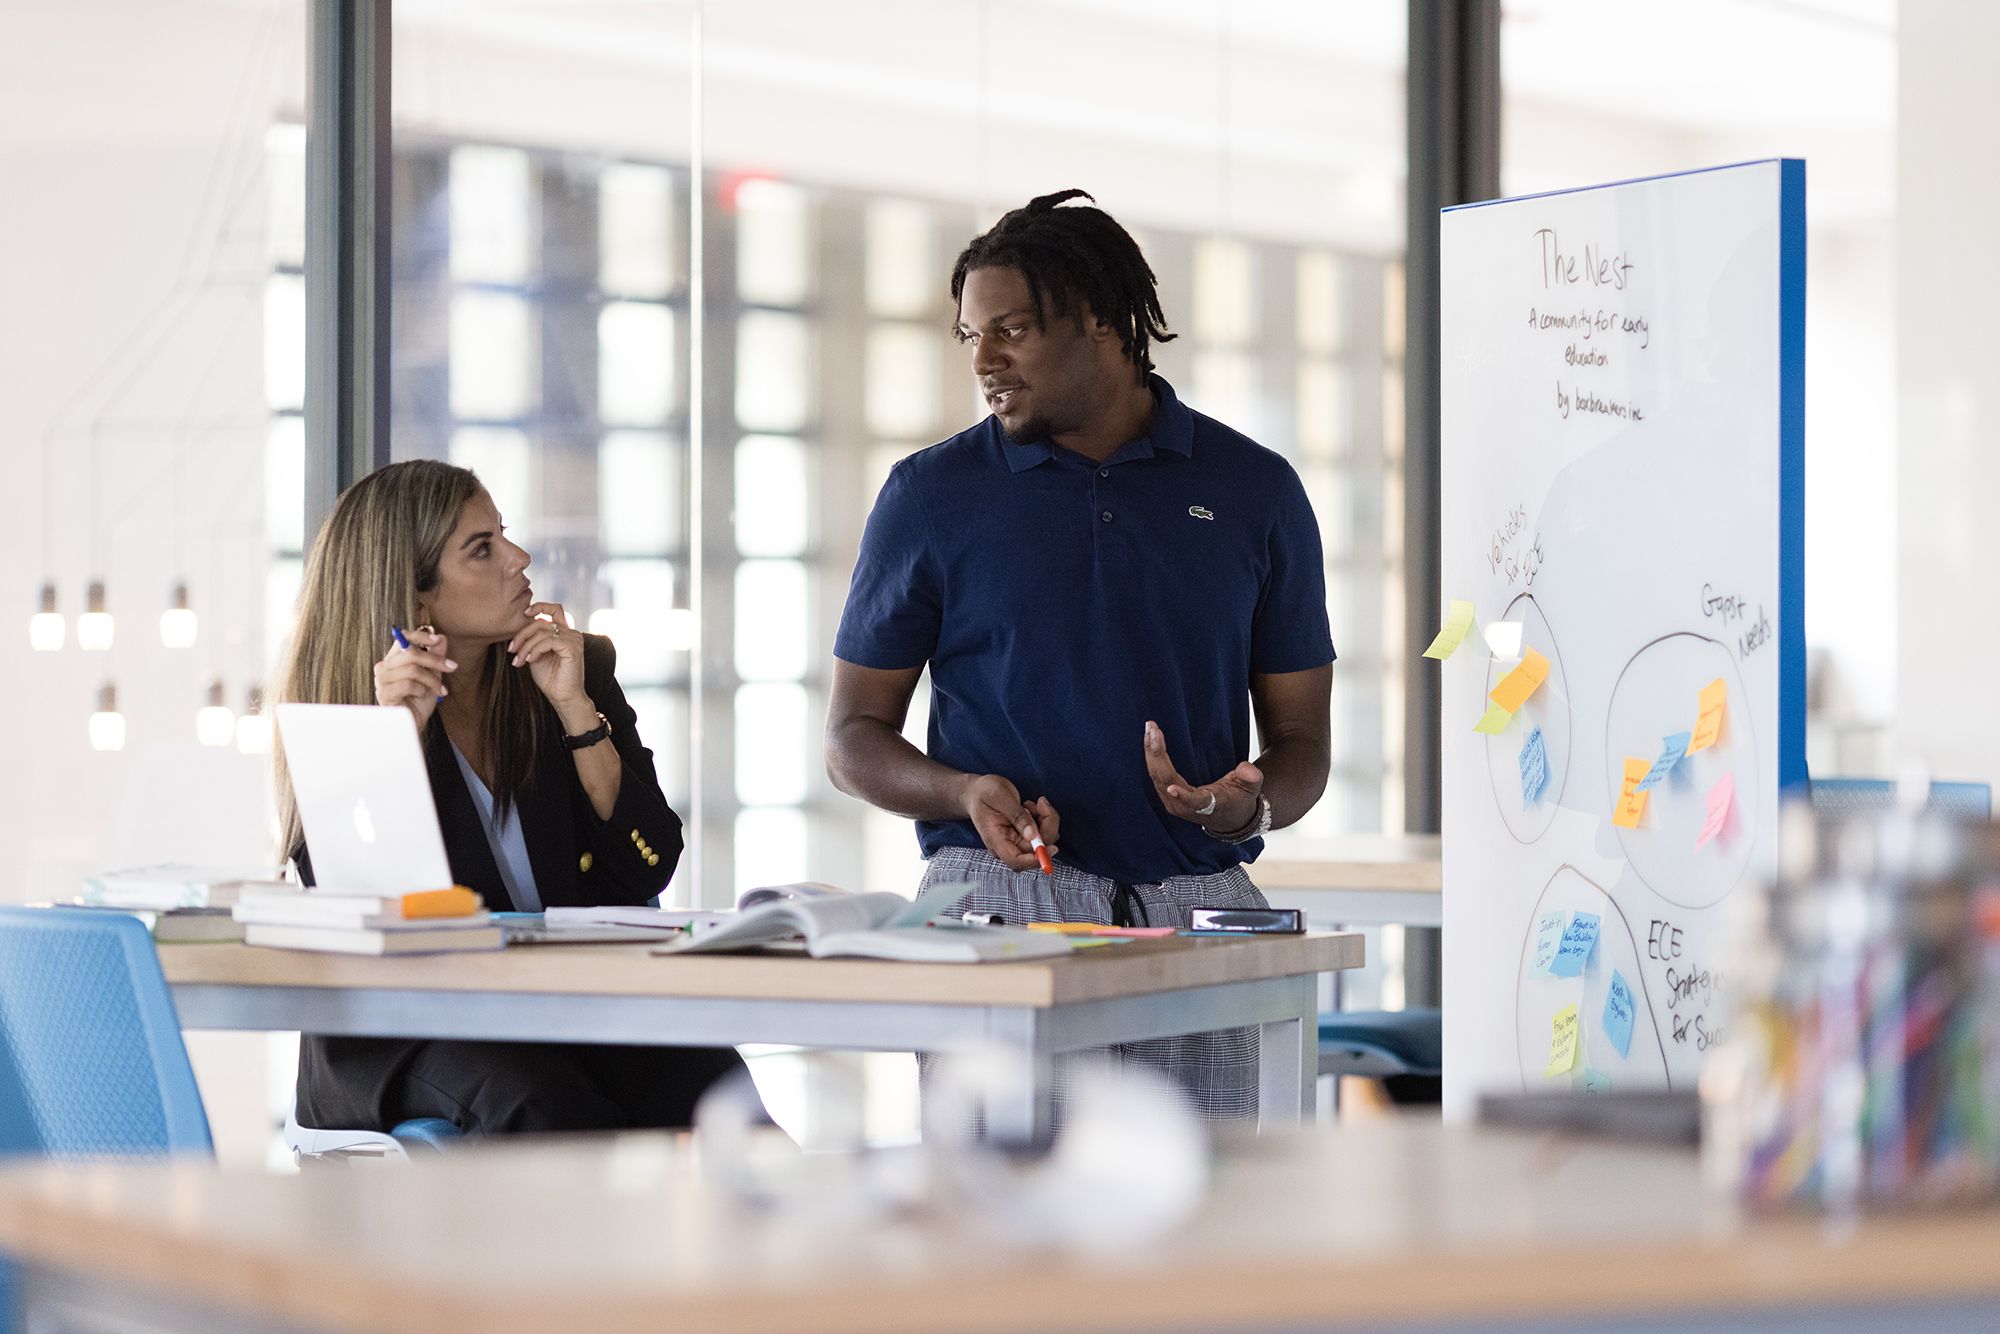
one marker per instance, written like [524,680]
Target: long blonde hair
[375,556]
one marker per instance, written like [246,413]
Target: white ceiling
[1701,64]
[1594,89]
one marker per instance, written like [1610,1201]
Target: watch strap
[1258,827]
[585,740]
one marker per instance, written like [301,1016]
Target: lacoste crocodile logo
[1200,512]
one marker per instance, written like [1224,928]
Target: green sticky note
[1495,722]
[1457,624]
[1595,1081]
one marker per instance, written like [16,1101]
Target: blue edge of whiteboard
[1791,444]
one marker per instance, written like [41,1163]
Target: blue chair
[92,1063]
[1834,796]
[91,1059]
[1376,1044]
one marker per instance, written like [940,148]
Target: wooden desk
[1357,880]
[624,993]
[1360,1226]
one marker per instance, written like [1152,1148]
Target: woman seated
[546,795]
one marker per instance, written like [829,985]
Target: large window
[542,330]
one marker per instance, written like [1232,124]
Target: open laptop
[364,798]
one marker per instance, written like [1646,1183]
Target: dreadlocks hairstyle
[1073,258]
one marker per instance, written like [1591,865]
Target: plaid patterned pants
[1218,1070]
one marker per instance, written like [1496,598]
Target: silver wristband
[1260,827]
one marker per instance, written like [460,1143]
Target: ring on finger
[1208,809]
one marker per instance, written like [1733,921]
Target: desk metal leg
[1020,1114]
[1288,1063]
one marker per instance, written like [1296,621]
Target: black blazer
[578,860]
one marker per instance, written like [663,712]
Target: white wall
[133,262]
[1948,368]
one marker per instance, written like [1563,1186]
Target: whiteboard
[1623,475]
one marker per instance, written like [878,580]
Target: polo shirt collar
[1172,429]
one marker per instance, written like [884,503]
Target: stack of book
[177,903]
[426,922]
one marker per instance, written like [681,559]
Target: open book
[870,926]
[814,889]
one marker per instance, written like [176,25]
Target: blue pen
[402,643]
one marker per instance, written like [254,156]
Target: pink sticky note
[1721,798]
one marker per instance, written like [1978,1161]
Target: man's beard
[1037,430]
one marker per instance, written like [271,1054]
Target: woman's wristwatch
[585,740]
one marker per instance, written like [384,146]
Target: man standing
[1104,584]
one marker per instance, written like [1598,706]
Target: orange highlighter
[1042,853]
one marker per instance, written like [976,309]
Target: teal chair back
[1834,796]
[91,1059]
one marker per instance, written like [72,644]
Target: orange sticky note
[1523,681]
[1631,803]
[1708,723]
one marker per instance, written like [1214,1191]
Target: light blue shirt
[510,849]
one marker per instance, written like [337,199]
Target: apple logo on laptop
[364,824]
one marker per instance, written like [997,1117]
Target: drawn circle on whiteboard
[1537,996]
[1657,694]
[1548,709]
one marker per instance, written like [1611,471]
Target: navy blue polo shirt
[1060,603]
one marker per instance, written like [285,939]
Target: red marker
[1042,853]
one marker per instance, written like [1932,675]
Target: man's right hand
[414,676]
[1006,823]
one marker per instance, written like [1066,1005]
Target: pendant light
[107,725]
[214,724]
[45,627]
[93,628]
[253,729]
[178,626]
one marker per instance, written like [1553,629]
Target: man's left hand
[1221,807]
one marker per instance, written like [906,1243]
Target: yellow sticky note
[1631,803]
[1494,722]
[1523,681]
[1456,625]
[1708,724]
[1563,1033]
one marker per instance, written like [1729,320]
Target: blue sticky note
[1596,1081]
[1534,769]
[1578,942]
[1618,1014]
[1548,939]
[1671,750]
